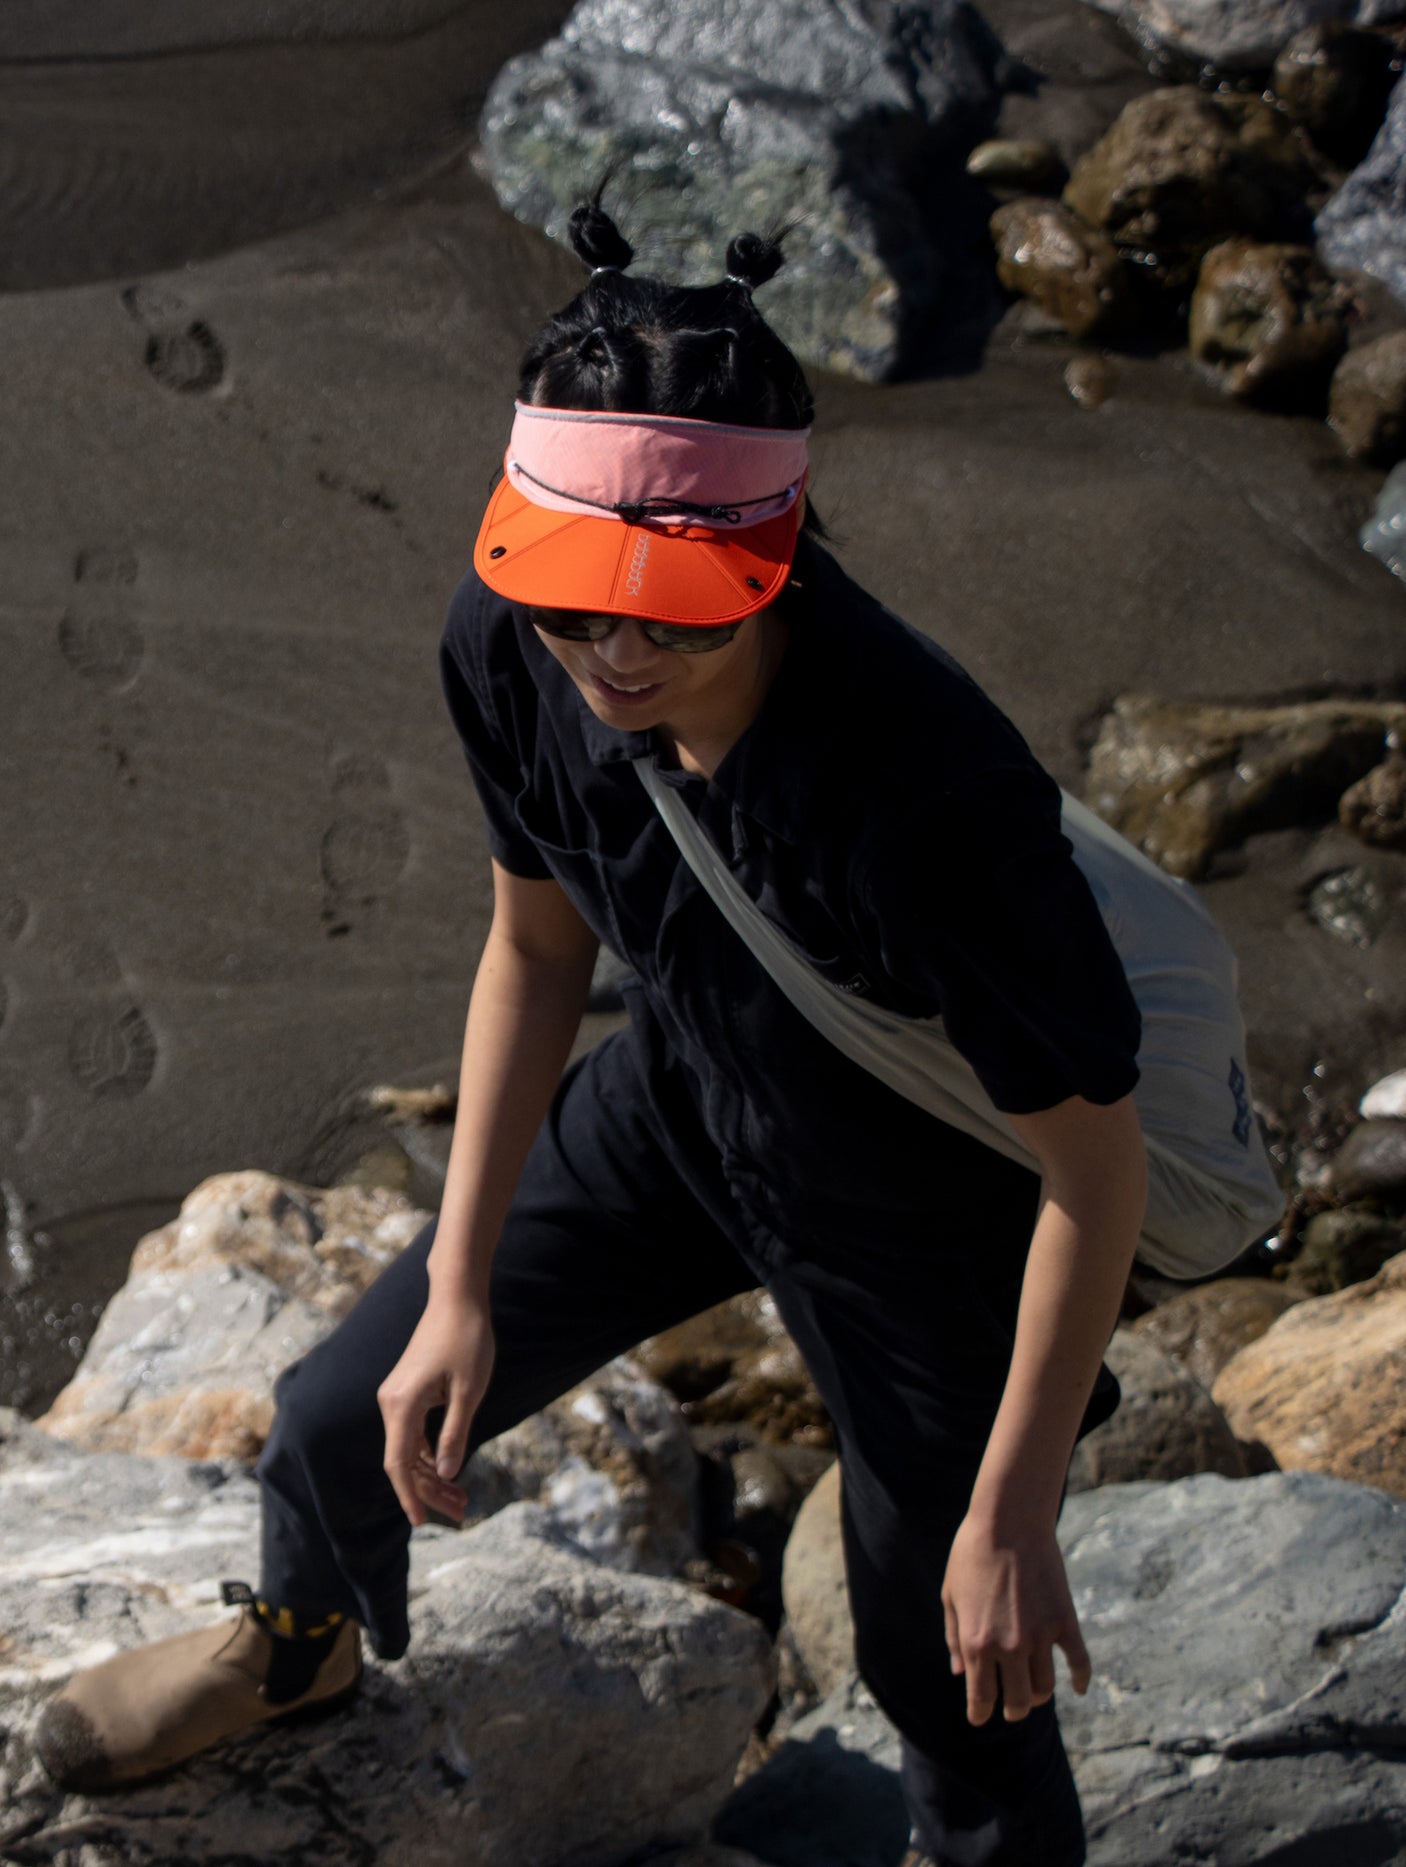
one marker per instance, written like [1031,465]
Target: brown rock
[1090,380]
[1202,1328]
[736,1363]
[1047,254]
[1166,1427]
[1341,1247]
[1334,80]
[1269,319]
[813,1587]
[1181,169]
[251,1275]
[1017,162]
[1184,782]
[1367,400]
[1323,1388]
[1375,807]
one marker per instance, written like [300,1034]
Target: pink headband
[663,468]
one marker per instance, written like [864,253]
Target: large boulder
[1363,226]
[1235,35]
[1322,1388]
[551,1713]
[1167,1425]
[1247,1700]
[849,124]
[1182,169]
[1246,1704]
[253,1273]
[1184,782]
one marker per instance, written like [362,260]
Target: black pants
[606,1244]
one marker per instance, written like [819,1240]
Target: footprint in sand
[17,1111]
[182,353]
[14,917]
[367,845]
[112,1050]
[98,636]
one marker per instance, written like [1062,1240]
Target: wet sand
[243,875]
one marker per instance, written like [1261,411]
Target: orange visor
[660,517]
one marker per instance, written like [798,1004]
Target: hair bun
[595,239]
[753,258]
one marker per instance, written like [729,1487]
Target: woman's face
[629,682]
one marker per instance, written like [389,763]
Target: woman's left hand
[1007,1606]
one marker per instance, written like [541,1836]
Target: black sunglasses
[681,638]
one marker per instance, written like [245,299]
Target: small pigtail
[595,239]
[753,258]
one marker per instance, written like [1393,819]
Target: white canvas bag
[1212,1190]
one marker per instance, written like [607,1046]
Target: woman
[648,586]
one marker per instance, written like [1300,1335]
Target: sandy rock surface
[737,1363]
[534,1672]
[254,1273]
[1166,1426]
[1322,1388]
[1205,1326]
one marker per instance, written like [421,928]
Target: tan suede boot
[144,1711]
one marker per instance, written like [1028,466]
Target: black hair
[639,346]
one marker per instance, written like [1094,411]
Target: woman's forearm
[524,1013]
[1091,1210]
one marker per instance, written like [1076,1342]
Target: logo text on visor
[634,583]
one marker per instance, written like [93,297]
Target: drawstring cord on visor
[632,511]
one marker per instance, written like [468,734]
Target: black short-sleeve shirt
[891,821]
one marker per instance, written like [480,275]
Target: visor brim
[607,567]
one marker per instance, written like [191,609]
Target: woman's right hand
[447,1363]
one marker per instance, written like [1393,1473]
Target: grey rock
[813,1587]
[1269,321]
[1363,226]
[850,122]
[1184,782]
[1247,1702]
[829,1795]
[1367,400]
[1167,1425]
[533,1674]
[612,1465]
[1235,35]
[1371,1163]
